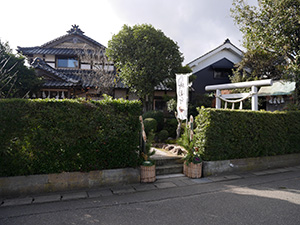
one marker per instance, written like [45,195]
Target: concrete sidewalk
[162,182]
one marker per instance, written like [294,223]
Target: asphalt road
[269,199]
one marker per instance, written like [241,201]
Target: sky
[197,26]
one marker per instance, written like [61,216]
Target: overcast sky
[198,26]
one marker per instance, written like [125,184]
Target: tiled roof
[52,51]
[162,87]
[74,32]
[48,51]
[49,47]
[66,77]
[57,84]
[88,78]
[40,64]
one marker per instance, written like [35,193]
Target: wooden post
[143,136]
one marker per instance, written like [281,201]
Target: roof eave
[227,45]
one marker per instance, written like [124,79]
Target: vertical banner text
[182,90]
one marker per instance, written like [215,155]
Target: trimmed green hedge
[150,124]
[232,134]
[158,116]
[51,136]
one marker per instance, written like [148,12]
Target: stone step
[168,176]
[168,161]
[169,169]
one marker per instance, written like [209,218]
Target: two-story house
[65,73]
[68,73]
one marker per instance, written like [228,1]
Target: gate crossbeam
[243,96]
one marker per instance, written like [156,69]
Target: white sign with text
[182,89]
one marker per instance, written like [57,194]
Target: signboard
[182,89]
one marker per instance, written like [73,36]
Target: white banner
[182,90]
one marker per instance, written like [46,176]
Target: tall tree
[271,36]
[16,80]
[145,58]
[7,78]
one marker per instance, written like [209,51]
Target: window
[222,73]
[67,62]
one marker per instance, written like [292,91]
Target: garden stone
[170,147]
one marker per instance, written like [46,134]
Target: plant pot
[192,170]
[148,174]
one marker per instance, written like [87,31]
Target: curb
[163,182]
[66,181]
[250,164]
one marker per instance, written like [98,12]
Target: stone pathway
[162,154]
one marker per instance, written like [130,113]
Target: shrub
[150,125]
[158,116]
[231,134]
[186,140]
[51,136]
[171,141]
[163,135]
[171,127]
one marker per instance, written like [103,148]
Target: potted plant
[148,169]
[192,166]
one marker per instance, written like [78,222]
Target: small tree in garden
[145,144]
[145,58]
[171,105]
[187,141]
